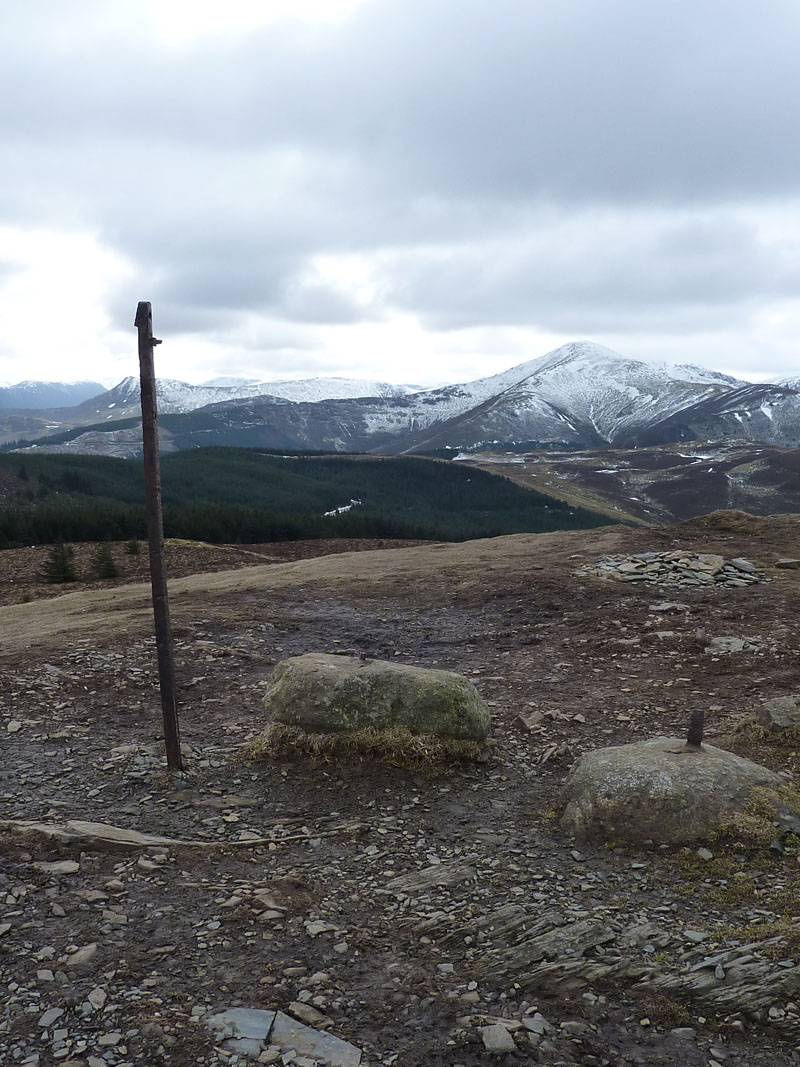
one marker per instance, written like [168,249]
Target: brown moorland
[409,907]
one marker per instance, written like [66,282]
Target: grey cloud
[567,99]
[272,336]
[586,274]
[307,302]
[500,162]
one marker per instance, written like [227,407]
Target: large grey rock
[334,694]
[659,790]
[780,713]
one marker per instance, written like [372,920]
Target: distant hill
[40,395]
[176,397]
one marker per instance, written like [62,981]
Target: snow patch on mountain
[313,390]
[229,382]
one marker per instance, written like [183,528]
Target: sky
[415,191]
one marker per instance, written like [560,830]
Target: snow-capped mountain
[596,392]
[174,397]
[38,395]
[581,394]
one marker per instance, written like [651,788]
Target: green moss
[742,871]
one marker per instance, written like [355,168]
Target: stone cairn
[675,568]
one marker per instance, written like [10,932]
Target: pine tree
[60,564]
[103,565]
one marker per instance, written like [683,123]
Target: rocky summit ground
[425,917]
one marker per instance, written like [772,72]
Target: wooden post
[155,535]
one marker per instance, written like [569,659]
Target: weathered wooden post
[155,534]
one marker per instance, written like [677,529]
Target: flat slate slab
[249,1031]
[288,1033]
[243,1030]
[96,835]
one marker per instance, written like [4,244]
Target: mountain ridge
[36,395]
[579,395]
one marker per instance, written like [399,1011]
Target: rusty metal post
[694,736]
[155,535]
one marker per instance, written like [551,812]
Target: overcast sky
[417,191]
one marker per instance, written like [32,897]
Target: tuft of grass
[785,928]
[665,1011]
[778,750]
[398,747]
[755,827]
[743,872]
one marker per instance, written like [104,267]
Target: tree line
[248,496]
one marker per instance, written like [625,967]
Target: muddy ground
[314,918]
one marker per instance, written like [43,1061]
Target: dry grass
[778,750]
[398,747]
[785,928]
[756,826]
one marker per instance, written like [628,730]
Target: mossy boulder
[661,790]
[326,694]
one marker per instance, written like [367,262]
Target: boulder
[326,694]
[659,790]
[780,713]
